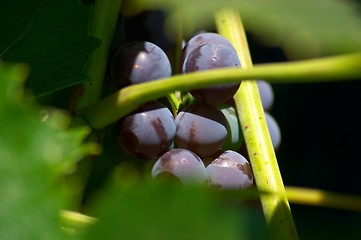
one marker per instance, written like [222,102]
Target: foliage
[303,28]
[52,37]
[46,47]
[145,210]
[37,151]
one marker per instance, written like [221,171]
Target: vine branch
[262,156]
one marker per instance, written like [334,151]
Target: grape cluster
[200,143]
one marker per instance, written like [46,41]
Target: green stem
[102,25]
[262,156]
[322,198]
[175,53]
[103,21]
[75,219]
[174,102]
[74,222]
[117,105]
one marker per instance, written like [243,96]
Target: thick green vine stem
[335,68]
[267,175]
[102,24]
[103,21]
[322,198]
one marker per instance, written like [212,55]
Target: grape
[266,94]
[201,128]
[181,163]
[274,130]
[211,56]
[148,132]
[230,171]
[202,39]
[139,62]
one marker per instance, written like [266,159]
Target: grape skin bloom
[266,93]
[183,164]
[230,171]
[210,51]
[138,62]
[200,40]
[148,132]
[212,56]
[274,130]
[201,128]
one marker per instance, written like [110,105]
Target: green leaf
[36,153]
[148,210]
[52,37]
[305,28]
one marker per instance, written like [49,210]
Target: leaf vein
[27,29]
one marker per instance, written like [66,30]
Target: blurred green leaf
[303,29]
[157,210]
[35,156]
[146,211]
[50,36]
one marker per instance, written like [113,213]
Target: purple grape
[200,40]
[274,130]
[148,132]
[185,165]
[212,56]
[230,171]
[201,128]
[266,94]
[139,62]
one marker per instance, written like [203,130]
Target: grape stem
[318,197]
[73,222]
[327,69]
[176,55]
[74,219]
[262,156]
[103,21]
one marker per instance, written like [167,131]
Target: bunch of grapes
[201,141]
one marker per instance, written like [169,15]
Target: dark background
[321,131]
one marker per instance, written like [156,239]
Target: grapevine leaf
[36,153]
[50,36]
[302,28]
[147,210]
